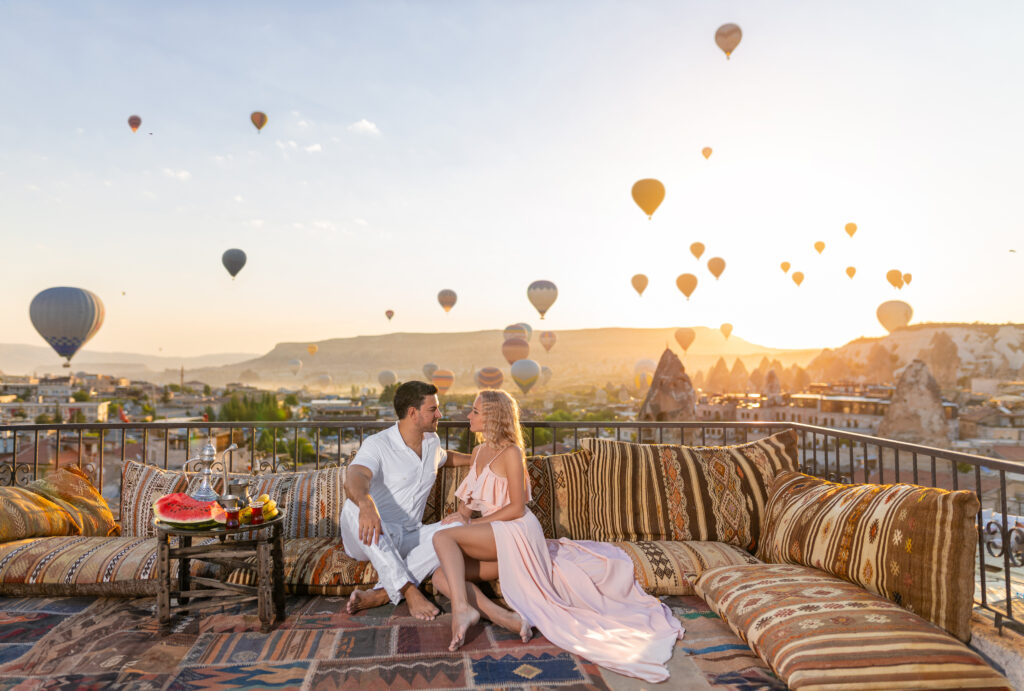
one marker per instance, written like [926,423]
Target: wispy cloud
[364,126]
[303,123]
[324,225]
[314,148]
[182,175]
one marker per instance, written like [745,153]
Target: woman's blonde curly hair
[501,419]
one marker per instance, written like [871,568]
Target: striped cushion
[24,514]
[670,568]
[141,485]
[316,566]
[819,632]
[76,566]
[644,492]
[568,472]
[916,546]
[70,488]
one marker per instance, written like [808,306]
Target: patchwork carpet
[97,643]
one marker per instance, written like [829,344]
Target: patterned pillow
[644,492]
[670,568]
[141,485]
[817,631]
[25,514]
[312,499]
[916,546]
[315,566]
[69,487]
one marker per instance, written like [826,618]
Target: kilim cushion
[820,632]
[644,492]
[78,566]
[24,513]
[141,485]
[914,545]
[316,566]
[69,487]
[670,568]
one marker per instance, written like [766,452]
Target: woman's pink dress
[581,594]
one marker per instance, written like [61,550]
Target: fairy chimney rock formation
[915,412]
[671,395]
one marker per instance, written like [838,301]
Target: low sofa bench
[833,586]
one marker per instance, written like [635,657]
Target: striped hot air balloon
[528,329]
[515,331]
[542,294]
[515,349]
[489,378]
[525,374]
[66,318]
[443,380]
[547,339]
[295,365]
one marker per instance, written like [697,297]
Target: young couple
[581,595]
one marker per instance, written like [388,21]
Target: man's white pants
[402,555]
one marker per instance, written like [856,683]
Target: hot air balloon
[648,195]
[728,37]
[547,339]
[515,349]
[697,249]
[895,277]
[685,337]
[894,314]
[324,380]
[443,380]
[294,365]
[907,278]
[716,265]
[312,348]
[387,377]
[447,299]
[851,228]
[798,277]
[726,329]
[686,283]
[819,246]
[639,282]
[429,369]
[851,271]
[259,119]
[785,267]
[528,329]
[525,374]
[542,295]
[489,378]
[514,331]
[644,365]
[642,380]
[66,318]
[233,260]
[135,122]
[707,152]
[545,375]
[389,314]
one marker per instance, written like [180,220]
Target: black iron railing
[29,451]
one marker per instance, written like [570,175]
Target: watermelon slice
[182,511]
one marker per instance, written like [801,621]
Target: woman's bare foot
[365,599]
[462,619]
[419,606]
[515,623]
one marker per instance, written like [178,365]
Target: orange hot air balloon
[798,277]
[447,299]
[907,278]
[686,283]
[895,277]
[639,283]
[697,249]
[312,348]
[894,314]
[547,339]
[785,267]
[819,246]
[515,331]
[851,271]
[728,37]
[135,122]
[726,329]
[716,265]
[259,119]
[389,314]
[648,195]
[851,228]
[443,380]
[515,349]
[707,152]
[685,337]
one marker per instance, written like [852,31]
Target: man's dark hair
[411,395]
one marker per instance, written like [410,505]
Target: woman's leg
[453,545]
[485,571]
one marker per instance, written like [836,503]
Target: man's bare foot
[365,599]
[419,606]
[516,624]
[462,619]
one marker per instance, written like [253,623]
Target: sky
[479,146]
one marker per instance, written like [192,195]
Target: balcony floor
[115,644]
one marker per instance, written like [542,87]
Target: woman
[581,595]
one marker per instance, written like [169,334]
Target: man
[387,485]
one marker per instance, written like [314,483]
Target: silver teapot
[205,461]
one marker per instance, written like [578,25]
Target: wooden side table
[195,593]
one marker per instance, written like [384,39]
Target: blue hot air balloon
[66,318]
[233,260]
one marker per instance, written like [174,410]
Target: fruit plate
[219,528]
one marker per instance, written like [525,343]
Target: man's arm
[456,459]
[357,487]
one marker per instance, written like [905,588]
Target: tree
[78,416]
[207,391]
[291,399]
[81,396]
[388,394]
[244,408]
[43,419]
[165,397]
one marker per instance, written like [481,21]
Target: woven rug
[88,643]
